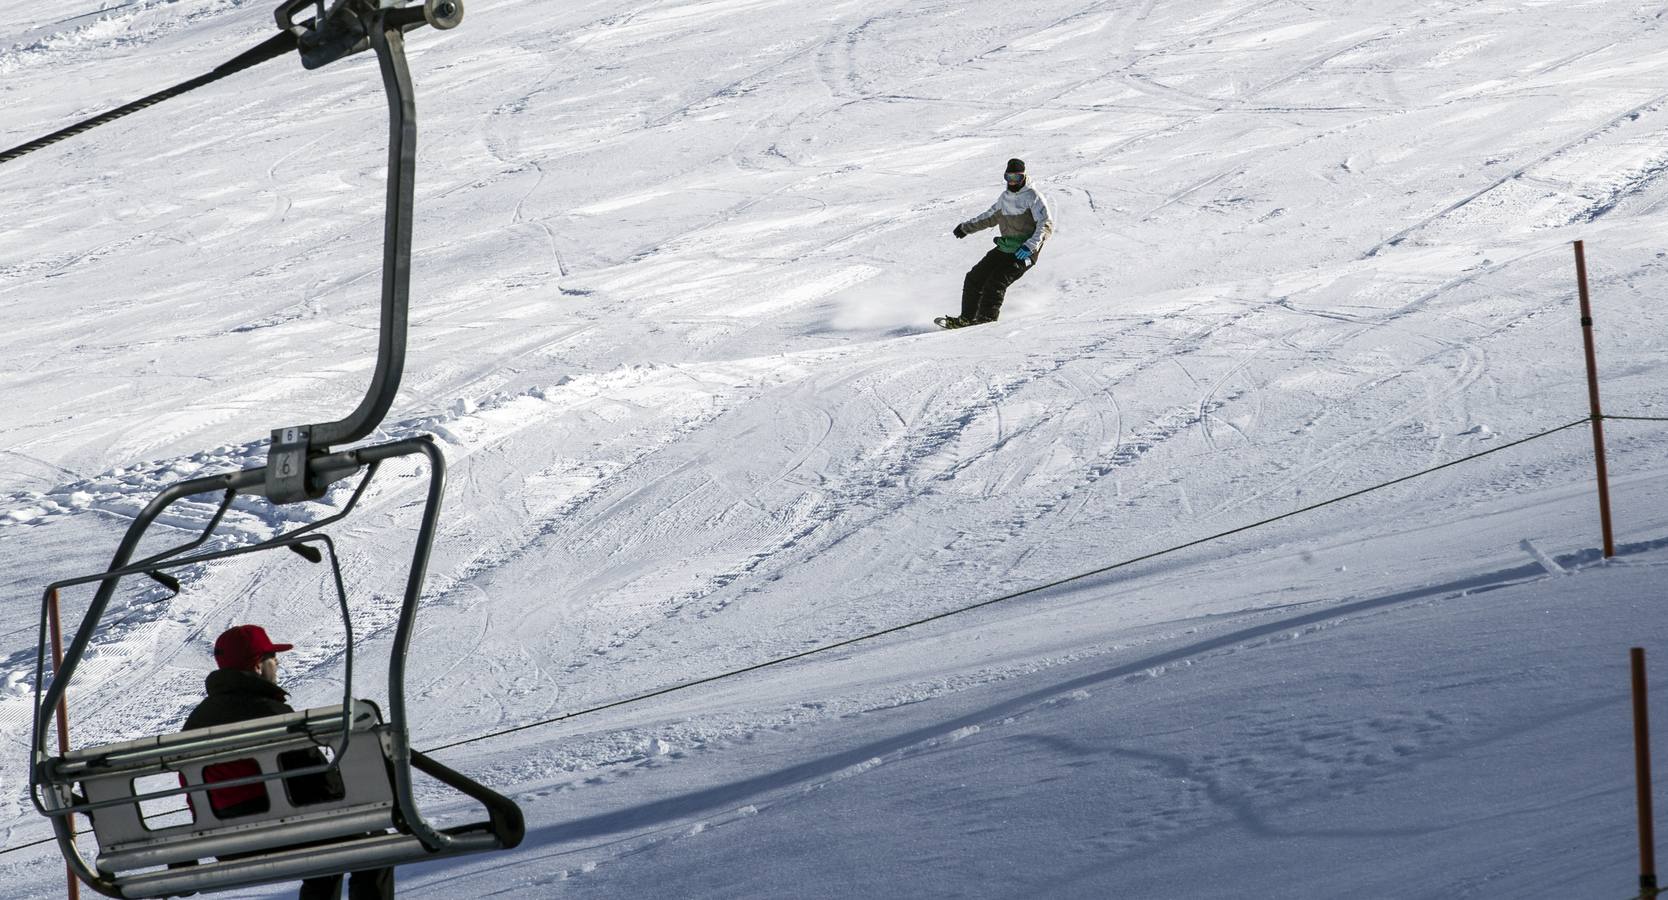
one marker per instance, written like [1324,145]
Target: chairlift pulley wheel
[443,15]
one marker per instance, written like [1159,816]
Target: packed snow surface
[675,263]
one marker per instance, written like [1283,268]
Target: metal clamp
[344,27]
[286,465]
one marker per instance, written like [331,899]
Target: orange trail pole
[63,719]
[1642,762]
[1593,400]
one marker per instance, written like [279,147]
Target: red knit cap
[243,646]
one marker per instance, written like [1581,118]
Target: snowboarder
[245,686]
[1022,215]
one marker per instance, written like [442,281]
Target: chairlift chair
[368,817]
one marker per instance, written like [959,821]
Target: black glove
[960,231]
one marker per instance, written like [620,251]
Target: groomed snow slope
[673,266]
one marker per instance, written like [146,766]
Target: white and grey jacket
[1022,216]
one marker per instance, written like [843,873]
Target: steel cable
[271,48]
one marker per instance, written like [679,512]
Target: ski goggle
[1014,177]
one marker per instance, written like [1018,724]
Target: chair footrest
[294,864]
[311,831]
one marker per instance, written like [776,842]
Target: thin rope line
[661,692]
[954,612]
[47,840]
[1638,418]
[271,48]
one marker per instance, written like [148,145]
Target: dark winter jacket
[236,696]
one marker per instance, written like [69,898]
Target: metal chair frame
[377,823]
[100,781]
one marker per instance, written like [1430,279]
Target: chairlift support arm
[301,466]
[347,27]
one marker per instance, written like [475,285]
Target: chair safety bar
[204,746]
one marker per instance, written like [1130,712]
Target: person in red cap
[245,686]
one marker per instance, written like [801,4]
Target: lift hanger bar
[348,27]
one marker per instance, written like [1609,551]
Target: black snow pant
[371,884]
[987,284]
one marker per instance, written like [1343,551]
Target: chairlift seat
[353,827]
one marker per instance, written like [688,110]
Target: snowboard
[949,322]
